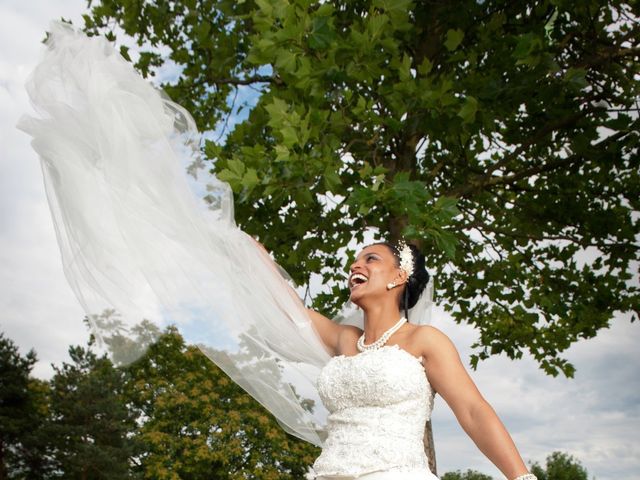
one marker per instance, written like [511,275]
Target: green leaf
[378,181]
[454,39]
[303,197]
[278,110]
[282,153]
[265,6]
[202,31]
[525,45]
[286,61]
[548,27]
[528,49]
[377,24]
[227,175]
[447,242]
[289,136]
[322,35]
[577,77]
[211,149]
[332,179]
[250,179]
[362,199]
[448,206]
[236,166]
[425,67]
[365,171]
[408,195]
[124,51]
[468,110]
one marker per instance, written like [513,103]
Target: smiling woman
[378,400]
[134,239]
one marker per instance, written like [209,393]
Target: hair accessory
[406,257]
[526,476]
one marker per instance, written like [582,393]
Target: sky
[594,416]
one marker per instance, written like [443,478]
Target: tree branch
[489,180]
[547,167]
[607,56]
[246,81]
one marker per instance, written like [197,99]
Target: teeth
[358,276]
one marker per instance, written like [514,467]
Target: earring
[391,286]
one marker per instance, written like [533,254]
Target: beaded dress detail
[378,403]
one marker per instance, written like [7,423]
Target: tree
[468,475]
[91,425]
[22,414]
[36,456]
[560,466]
[196,423]
[501,136]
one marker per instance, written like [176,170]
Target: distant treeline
[558,466]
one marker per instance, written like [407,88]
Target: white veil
[137,244]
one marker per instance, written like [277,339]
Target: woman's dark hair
[418,280]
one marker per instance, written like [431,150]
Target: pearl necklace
[382,340]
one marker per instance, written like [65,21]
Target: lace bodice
[378,403]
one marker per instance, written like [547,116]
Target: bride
[379,385]
[134,239]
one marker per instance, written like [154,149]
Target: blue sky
[595,416]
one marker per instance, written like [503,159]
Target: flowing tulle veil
[136,243]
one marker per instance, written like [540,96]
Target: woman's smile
[357,279]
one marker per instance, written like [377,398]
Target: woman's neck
[378,320]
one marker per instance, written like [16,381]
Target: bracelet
[526,476]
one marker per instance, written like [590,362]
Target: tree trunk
[429,447]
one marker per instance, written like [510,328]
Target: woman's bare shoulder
[428,333]
[348,337]
[429,340]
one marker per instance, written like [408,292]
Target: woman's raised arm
[328,331]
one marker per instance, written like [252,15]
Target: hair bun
[418,280]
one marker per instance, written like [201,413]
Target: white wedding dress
[135,240]
[378,404]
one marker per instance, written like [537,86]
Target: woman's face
[372,270]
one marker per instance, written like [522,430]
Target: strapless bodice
[378,403]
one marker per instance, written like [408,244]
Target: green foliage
[468,475]
[501,136]
[125,346]
[200,424]
[90,422]
[170,415]
[560,466]
[22,414]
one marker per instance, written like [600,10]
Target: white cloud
[594,416]
[38,308]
